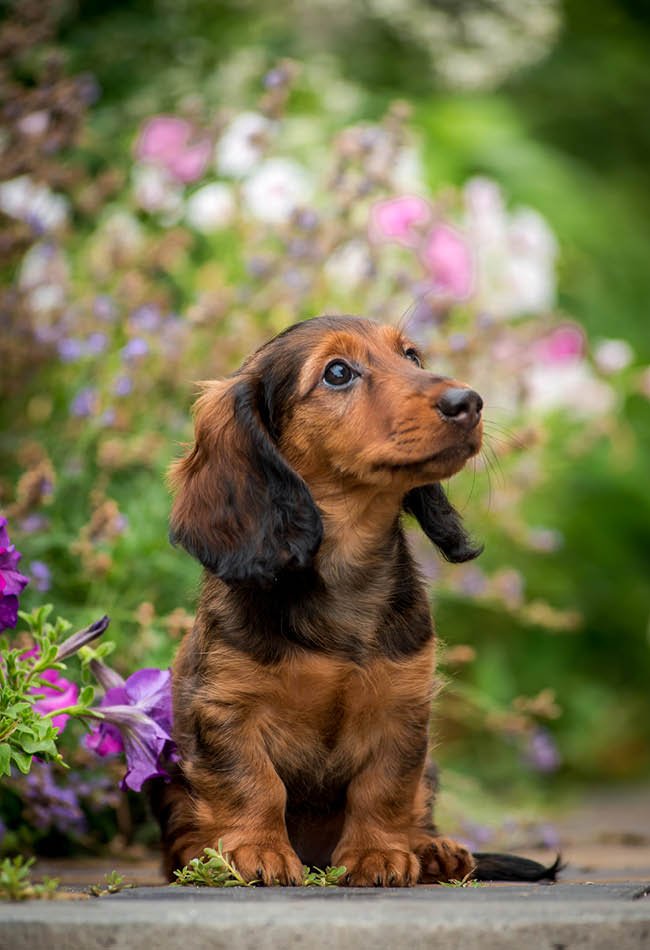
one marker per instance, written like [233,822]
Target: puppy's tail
[510,867]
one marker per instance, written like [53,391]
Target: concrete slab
[551,917]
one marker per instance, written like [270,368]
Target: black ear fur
[441,523]
[240,509]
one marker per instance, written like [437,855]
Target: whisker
[494,462]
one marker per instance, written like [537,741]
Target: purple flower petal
[12,582]
[104,739]
[140,711]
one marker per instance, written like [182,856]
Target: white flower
[348,265]
[43,276]
[612,356]
[34,123]
[515,254]
[25,200]
[277,188]
[123,232]
[156,191]
[569,386]
[210,208]
[530,236]
[408,172]
[486,214]
[241,146]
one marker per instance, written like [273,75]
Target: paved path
[590,917]
[601,903]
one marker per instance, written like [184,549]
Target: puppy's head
[334,401]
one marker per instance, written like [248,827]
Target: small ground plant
[215,869]
[16,883]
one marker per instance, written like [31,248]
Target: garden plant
[142,257]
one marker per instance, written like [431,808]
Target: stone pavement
[601,903]
[592,917]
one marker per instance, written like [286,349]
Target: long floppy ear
[240,509]
[441,523]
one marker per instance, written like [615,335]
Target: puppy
[302,697]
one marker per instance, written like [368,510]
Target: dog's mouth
[452,457]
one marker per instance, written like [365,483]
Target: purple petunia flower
[138,718]
[12,581]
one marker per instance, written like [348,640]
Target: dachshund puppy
[302,697]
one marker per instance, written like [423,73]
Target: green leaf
[5,758]
[24,762]
[86,696]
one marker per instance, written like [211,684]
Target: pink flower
[171,142]
[104,740]
[398,219]
[59,695]
[564,345]
[447,257]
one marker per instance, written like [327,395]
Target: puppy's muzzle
[461,406]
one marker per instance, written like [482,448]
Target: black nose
[462,406]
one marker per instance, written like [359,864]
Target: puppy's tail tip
[511,867]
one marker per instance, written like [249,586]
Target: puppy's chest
[328,716]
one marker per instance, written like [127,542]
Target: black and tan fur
[302,697]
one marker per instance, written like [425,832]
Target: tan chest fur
[315,714]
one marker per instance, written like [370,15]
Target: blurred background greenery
[550,101]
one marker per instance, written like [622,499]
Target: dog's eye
[338,374]
[412,355]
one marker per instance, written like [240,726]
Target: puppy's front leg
[240,800]
[375,846]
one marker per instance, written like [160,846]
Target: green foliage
[113,883]
[467,881]
[26,731]
[212,869]
[559,136]
[330,877]
[16,883]
[215,869]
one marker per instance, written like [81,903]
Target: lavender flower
[84,403]
[40,575]
[137,715]
[145,318]
[542,753]
[134,349]
[70,349]
[12,581]
[96,343]
[122,386]
[104,308]
[50,805]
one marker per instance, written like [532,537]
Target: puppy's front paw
[443,859]
[376,868]
[260,863]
